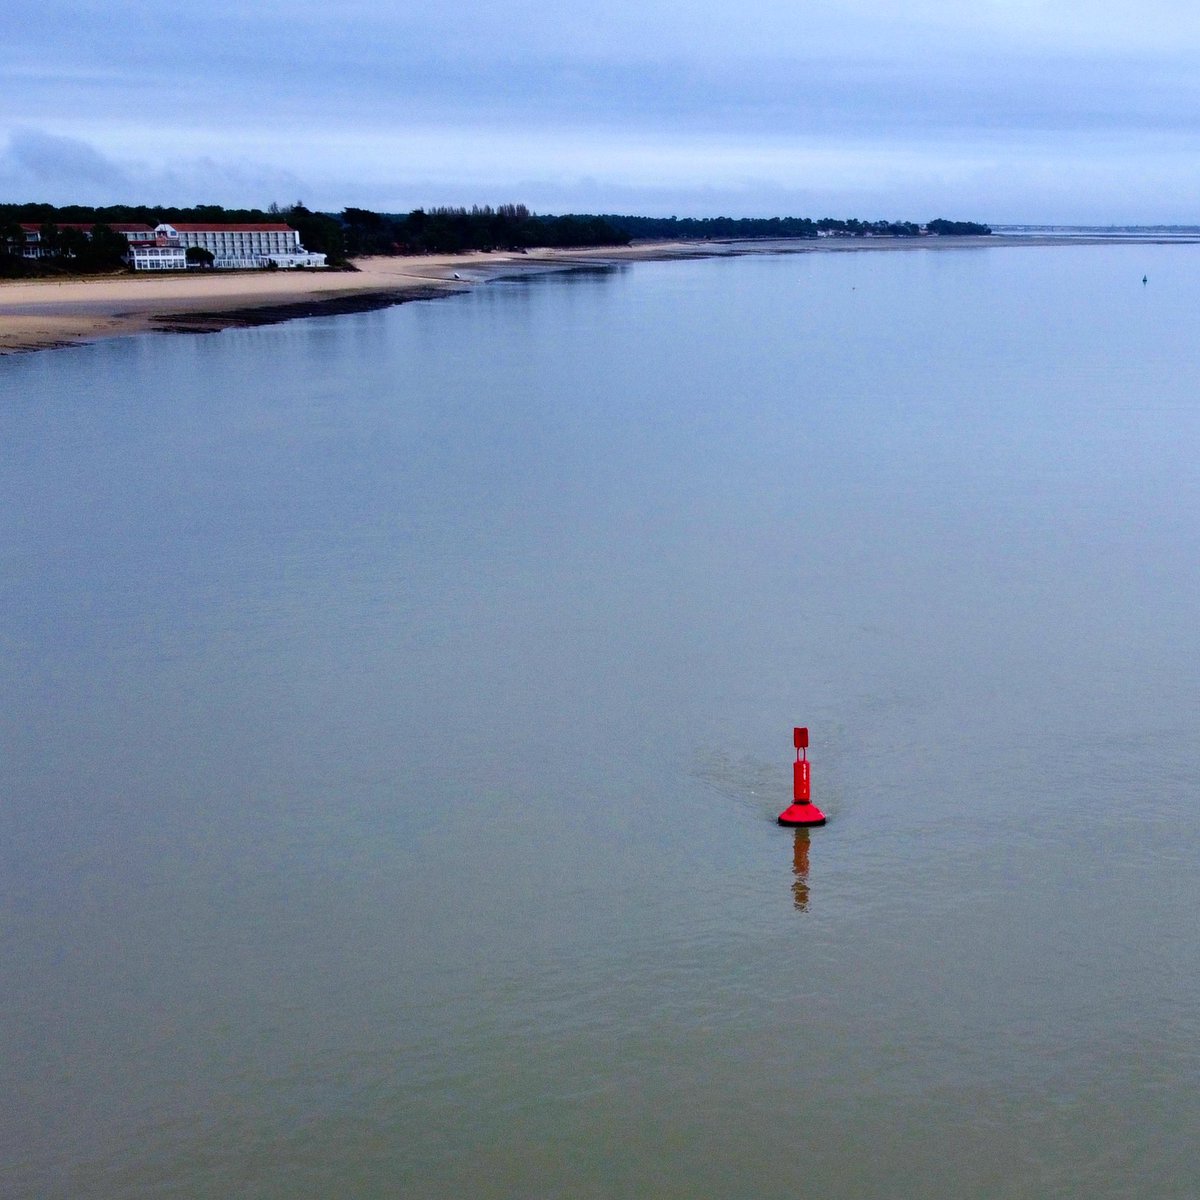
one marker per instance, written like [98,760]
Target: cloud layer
[1022,110]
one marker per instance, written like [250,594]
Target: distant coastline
[44,314]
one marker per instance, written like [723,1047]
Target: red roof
[35,227]
[231,228]
[30,227]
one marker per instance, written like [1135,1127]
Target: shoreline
[51,314]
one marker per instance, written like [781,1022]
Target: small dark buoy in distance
[1145,278]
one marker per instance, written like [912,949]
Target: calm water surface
[396,709]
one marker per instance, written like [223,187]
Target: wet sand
[46,314]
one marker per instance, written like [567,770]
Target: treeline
[131,214]
[357,231]
[450,230]
[71,251]
[349,234]
[514,227]
[957,228]
[713,228]
[749,228]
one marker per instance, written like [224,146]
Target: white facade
[145,256]
[243,246]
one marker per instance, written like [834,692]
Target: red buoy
[802,811]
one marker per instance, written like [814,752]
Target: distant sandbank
[43,314]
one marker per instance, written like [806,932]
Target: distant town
[41,239]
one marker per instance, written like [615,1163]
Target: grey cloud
[398,93]
[796,96]
[64,170]
[374,87]
[619,29]
[845,67]
[41,160]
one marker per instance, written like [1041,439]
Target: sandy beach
[43,314]
[46,314]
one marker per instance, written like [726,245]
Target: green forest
[357,232]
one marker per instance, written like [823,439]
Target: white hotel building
[242,245]
[165,247]
[156,254]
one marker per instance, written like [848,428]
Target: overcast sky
[999,110]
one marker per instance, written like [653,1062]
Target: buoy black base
[802,815]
